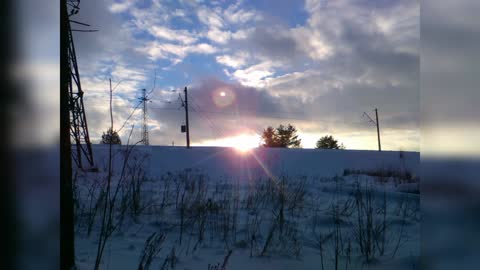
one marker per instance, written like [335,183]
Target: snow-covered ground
[230,162]
[272,208]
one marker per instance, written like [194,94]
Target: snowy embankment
[220,208]
[260,162]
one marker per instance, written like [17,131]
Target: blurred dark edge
[449,98]
[9,97]
[29,172]
[450,203]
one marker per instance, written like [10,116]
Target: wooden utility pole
[377,123]
[186,118]
[378,129]
[67,251]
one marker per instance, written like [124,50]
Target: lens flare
[223,97]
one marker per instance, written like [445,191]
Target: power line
[131,114]
[212,125]
[240,115]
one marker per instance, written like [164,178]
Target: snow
[223,169]
[229,162]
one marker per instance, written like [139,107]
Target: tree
[112,136]
[328,142]
[282,136]
[269,137]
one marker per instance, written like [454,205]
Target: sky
[315,64]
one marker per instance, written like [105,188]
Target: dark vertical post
[67,251]
[145,126]
[10,99]
[186,118]
[378,130]
[144,99]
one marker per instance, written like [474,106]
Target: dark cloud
[348,104]
[245,100]
[250,110]
[272,43]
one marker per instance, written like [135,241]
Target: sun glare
[222,94]
[244,143]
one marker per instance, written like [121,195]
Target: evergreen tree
[269,137]
[328,142]
[112,136]
[282,136]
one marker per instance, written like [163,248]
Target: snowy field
[267,208]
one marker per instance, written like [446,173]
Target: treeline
[286,136]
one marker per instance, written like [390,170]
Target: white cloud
[202,48]
[131,74]
[237,60]
[242,33]
[210,17]
[182,36]
[119,7]
[235,15]
[312,42]
[173,52]
[255,75]
[305,85]
[218,36]
[216,20]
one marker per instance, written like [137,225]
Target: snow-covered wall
[231,163]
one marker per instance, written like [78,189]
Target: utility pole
[378,130]
[376,122]
[186,118]
[144,99]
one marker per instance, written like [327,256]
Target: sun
[244,143]
[222,94]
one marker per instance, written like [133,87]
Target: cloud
[157,50]
[256,74]
[182,36]
[119,7]
[242,33]
[218,36]
[321,71]
[274,43]
[237,60]
[210,17]
[236,15]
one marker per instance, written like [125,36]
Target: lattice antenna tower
[144,100]
[81,145]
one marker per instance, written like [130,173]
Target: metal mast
[78,120]
[144,99]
